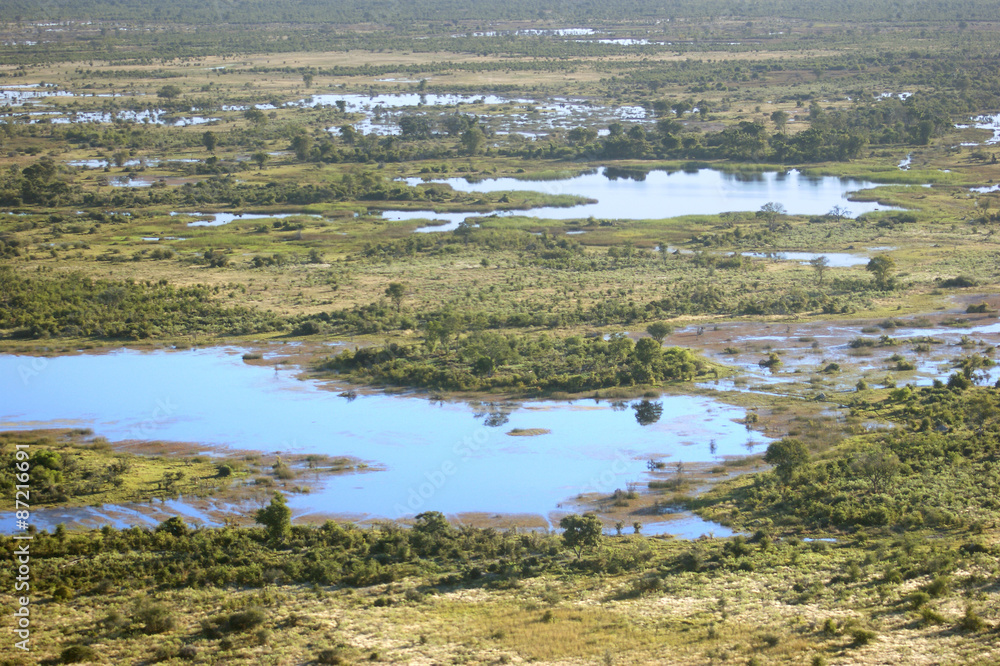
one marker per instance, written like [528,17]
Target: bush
[971,621]
[245,620]
[155,618]
[958,282]
[62,593]
[938,586]
[329,657]
[862,636]
[930,616]
[74,654]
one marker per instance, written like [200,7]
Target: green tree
[168,92]
[648,351]
[431,522]
[276,519]
[307,79]
[659,330]
[260,158]
[396,291]
[779,118]
[581,136]
[580,532]
[175,526]
[209,141]
[255,115]
[787,455]
[819,265]
[881,267]
[302,145]
[348,134]
[878,467]
[484,366]
[473,140]
[770,212]
[415,127]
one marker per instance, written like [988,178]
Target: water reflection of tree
[494,414]
[646,412]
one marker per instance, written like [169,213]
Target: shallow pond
[452,457]
[986,122]
[531,118]
[806,349]
[664,194]
[219,219]
[834,259]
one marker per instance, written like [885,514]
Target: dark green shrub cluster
[78,306]
[487,360]
[938,469]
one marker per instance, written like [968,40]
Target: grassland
[829,569]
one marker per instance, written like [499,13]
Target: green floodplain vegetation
[858,544]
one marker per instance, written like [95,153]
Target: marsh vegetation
[474,202]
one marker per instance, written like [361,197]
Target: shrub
[862,636]
[960,281]
[938,586]
[971,621]
[930,616]
[76,653]
[155,618]
[245,619]
[62,593]
[329,657]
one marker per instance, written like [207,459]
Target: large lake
[665,194]
[453,457]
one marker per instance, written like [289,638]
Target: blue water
[436,455]
[665,194]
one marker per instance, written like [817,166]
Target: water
[20,95]
[365,103]
[986,122]
[141,161]
[663,194]
[128,181]
[452,457]
[799,361]
[532,118]
[834,259]
[15,98]
[219,219]
[535,32]
[623,41]
[451,220]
